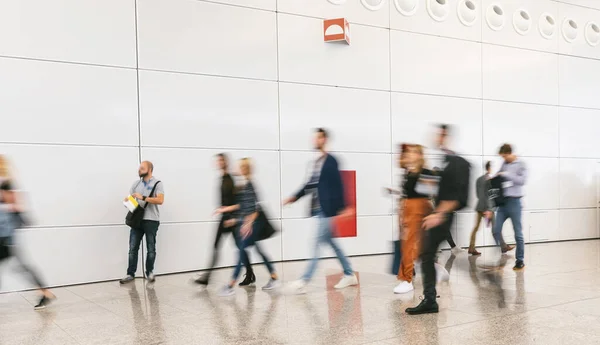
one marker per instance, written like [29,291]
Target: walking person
[251,226]
[415,205]
[149,193]
[484,206]
[514,175]
[326,189]
[452,196]
[227,224]
[10,220]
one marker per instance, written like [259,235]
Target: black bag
[496,192]
[134,219]
[267,230]
[397,257]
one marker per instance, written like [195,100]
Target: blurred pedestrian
[484,206]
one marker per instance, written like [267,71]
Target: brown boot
[507,249]
[474,252]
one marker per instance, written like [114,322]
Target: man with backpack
[452,196]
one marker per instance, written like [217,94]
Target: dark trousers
[9,251]
[222,230]
[251,241]
[148,228]
[431,241]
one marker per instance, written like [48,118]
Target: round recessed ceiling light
[592,34]
[570,30]
[494,17]
[467,12]
[373,5]
[407,7]
[547,25]
[337,2]
[438,9]
[522,21]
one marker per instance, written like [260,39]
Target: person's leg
[474,232]
[411,243]
[312,265]
[497,229]
[433,238]
[150,230]
[215,256]
[327,237]
[239,243]
[135,238]
[514,209]
[266,259]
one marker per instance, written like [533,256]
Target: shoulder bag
[134,219]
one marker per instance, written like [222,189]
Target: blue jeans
[511,209]
[148,228]
[247,242]
[324,236]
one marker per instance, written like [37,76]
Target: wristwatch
[144,198]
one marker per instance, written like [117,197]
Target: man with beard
[149,193]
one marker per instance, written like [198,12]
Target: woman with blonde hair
[417,187]
[250,227]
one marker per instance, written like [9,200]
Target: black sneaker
[202,280]
[249,279]
[519,265]
[425,307]
[43,303]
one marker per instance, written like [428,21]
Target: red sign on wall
[347,227]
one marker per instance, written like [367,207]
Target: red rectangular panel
[347,227]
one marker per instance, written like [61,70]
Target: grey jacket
[483,202]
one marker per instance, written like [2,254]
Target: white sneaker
[226,291]
[404,287]
[457,250]
[271,285]
[441,273]
[346,281]
[298,287]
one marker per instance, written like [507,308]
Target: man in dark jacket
[327,192]
[452,196]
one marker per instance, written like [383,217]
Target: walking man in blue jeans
[149,193]
[514,175]
[327,191]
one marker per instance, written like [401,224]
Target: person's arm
[519,178]
[159,197]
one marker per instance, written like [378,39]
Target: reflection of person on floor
[327,191]
[415,206]
[227,225]
[484,206]
[452,196]
[157,333]
[10,220]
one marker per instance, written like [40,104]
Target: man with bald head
[149,193]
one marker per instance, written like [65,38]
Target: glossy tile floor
[556,300]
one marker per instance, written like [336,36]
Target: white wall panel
[422,22]
[373,237]
[581,16]
[45,102]
[183,110]
[74,185]
[196,201]
[542,183]
[92,31]
[71,255]
[512,74]
[544,225]
[207,38]
[531,129]
[270,5]
[578,80]
[359,120]
[435,65]
[188,247]
[532,39]
[372,175]
[305,58]
[579,133]
[578,183]
[585,3]
[353,11]
[578,224]
[414,118]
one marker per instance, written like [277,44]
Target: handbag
[396,258]
[134,219]
[266,230]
